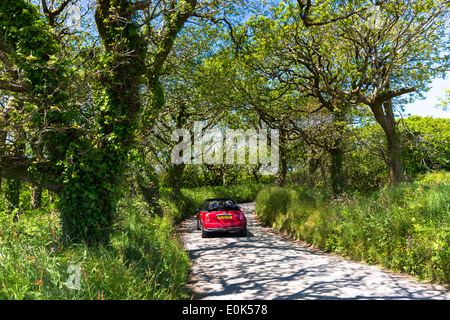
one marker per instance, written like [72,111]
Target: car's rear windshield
[222,206]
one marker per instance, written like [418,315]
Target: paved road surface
[265,265]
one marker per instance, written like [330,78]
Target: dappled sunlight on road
[265,265]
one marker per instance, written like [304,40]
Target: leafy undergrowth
[406,228]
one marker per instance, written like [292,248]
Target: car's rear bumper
[231,229]
[216,227]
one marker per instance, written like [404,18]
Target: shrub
[285,209]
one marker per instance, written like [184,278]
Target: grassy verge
[406,228]
[146,259]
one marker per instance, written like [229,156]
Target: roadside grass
[145,260]
[406,228]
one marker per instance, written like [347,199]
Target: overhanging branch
[14,167]
[14,86]
[305,8]
[53,14]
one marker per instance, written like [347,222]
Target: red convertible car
[219,215]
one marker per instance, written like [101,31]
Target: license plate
[226,216]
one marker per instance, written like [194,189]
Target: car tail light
[207,217]
[241,216]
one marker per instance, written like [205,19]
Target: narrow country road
[265,265]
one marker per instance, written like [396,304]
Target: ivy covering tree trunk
[84,167]
[93,173]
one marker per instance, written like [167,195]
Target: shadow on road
[265,265]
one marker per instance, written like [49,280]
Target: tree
[186,100]
[283,53]
[328,50]
[80,96]
[398,58]
[84,166]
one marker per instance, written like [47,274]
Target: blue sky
[427,107]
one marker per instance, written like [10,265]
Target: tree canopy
[86,102]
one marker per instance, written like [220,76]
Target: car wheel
[198,223]
[204,234]
[244,231]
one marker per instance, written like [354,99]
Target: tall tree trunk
[313,164]
[337,153]
[12,197]
[175,178]
[384,115]
[337,161]
[93,175]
